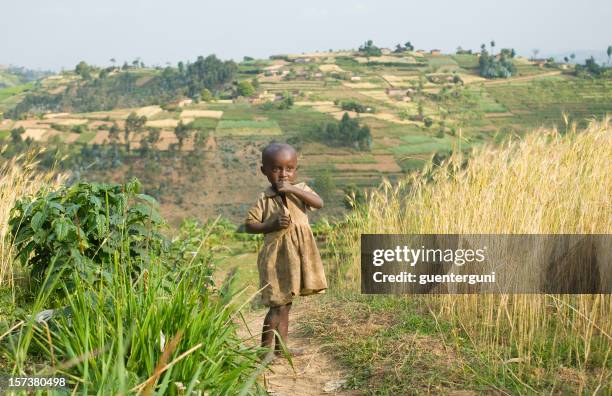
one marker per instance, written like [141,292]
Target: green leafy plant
[80,227]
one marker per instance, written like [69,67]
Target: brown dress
[289,263]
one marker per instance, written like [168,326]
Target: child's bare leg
[283,328]
[271,323]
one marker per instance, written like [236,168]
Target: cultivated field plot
[165,123]
[291,86]
[543,102]
[383,163]
[148,111]
[216,114]
[386,59]
[248,128]
[70,121]
[362,85]
[119,114]
[331,68]
[423,145]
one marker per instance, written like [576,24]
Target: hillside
[415,104]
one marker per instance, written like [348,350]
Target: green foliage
[117,336]
[591,68]
[16,134]
[83,70]
[490,66]
[347,132]
[181,132]
[353,105]
[245,88]
[76,229]
[128,88]
[209,72]
[286,102]
[369,49]
[133,123]
[206,95]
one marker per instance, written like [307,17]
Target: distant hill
[11,76]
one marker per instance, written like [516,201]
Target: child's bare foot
[291,351]
[267,357]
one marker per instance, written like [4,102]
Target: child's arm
[310,199]
[272,225]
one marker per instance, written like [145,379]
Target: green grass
[432,146]
[411,164]
[248,128]
[86,137]
[204,123]
[441,61]
[466,61]
[240,124]
[4,134]
[417,139]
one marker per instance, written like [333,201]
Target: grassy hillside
[420,105]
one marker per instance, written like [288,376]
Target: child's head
[279,163]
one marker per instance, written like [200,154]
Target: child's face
[280,166]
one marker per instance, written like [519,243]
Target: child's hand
[282,222]
[284,186]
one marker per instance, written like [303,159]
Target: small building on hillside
[435,52]
[355,78]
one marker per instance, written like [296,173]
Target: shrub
[76,229]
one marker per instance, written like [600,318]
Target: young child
[289,263]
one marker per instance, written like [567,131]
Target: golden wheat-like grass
[19,177]
[544,183]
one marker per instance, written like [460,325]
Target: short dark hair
[274,148]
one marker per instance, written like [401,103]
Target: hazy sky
[60,33]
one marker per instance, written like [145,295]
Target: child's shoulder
[304,186]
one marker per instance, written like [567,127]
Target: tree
[133,123]
[287,102]
[16,135]
[369,49]
[245,88]
[113,133]
[83,70]
[409,46]
[209,72]
[535,53]
[206,95]
[181,132]
[566,59]
[609,52]
[492,46]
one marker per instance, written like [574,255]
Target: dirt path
[316,372]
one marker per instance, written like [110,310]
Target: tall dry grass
[19,176]
[547,182]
